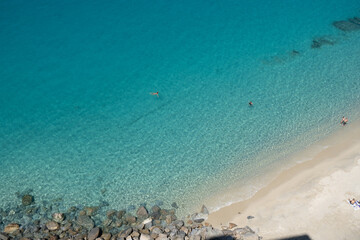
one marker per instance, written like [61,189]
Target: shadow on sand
[299,237]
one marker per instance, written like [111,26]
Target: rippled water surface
[77,120]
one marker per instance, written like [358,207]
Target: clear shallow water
[77,120]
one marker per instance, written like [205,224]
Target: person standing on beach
[344,121]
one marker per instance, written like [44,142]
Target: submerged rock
[320,41]
[27,200]
[174,205]
[85,221]
[142,212]
[204,210]
[58,217]
[347,26]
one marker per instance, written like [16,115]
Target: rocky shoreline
[32,220]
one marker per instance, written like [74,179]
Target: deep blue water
[78,122]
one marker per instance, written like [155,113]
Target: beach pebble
[174,205]
[94,233]
[52,226]
[12,227]
[250,217]
[27,200]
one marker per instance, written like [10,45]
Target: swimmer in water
[344,121]
[155,93]
[250,103]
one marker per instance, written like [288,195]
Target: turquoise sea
[77,121]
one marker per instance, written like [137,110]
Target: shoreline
[311,184]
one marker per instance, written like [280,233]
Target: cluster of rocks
[33,221]
[352,24]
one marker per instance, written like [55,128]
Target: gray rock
[178,223]
[145,237]
[126,232]
[195,237]
[174,205]
[110,213]
[85,221]
[130,218]
[199,220]
[156,230]
[94,233]
[204,210]
[162,236]
[250,217]
[120,214]
[155,209]
[346,26]
[142,212]
[3,236]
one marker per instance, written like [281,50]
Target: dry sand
[309,198]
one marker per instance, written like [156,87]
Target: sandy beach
[309,198]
